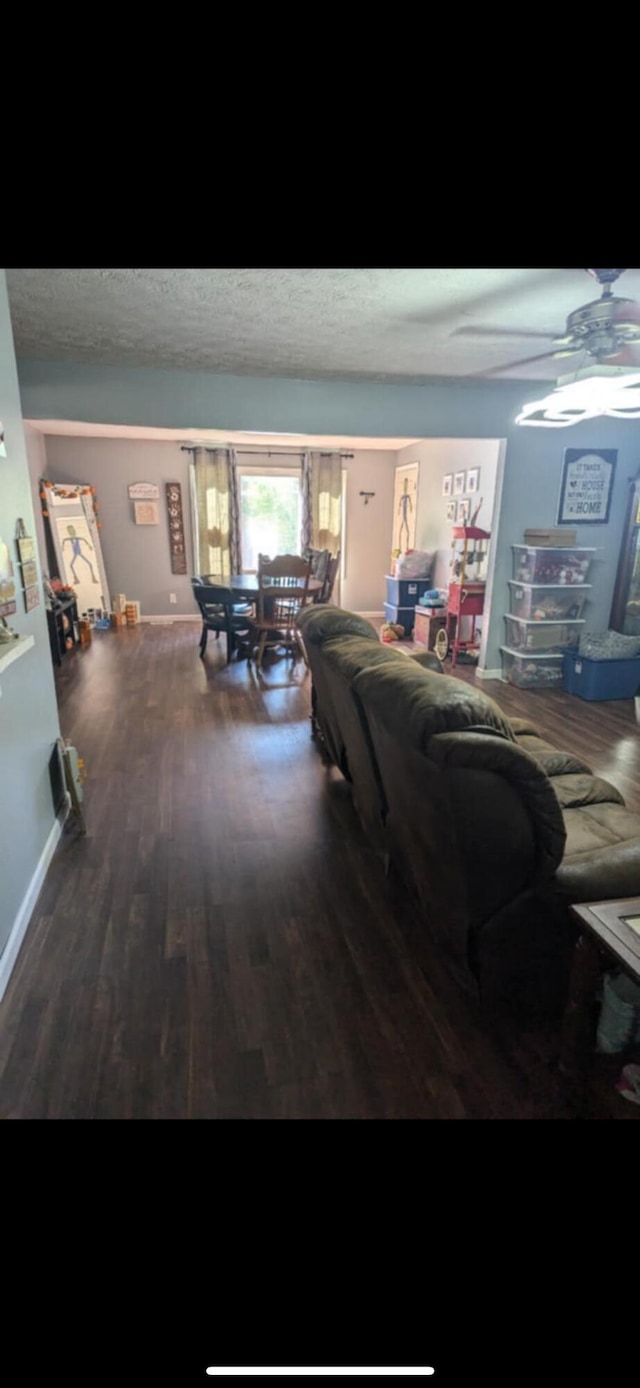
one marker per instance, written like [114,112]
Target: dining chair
[220,611]
[331,575]
[283,589]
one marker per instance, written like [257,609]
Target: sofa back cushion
[417,703]
[319,623]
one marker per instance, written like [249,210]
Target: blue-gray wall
[28,710]
[195,399]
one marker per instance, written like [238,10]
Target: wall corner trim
[21,922]
[489,675]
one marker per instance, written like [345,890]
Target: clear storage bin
[524,635]
[546,602]
[532,564]
[530,671]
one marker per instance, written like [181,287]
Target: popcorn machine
[467,582]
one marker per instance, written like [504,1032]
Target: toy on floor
[392,631]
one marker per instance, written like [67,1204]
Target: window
[269,513]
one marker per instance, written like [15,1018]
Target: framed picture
[447,484]
[586,486]
[463,512]
[26,549]
[452,510]
[473,480]
[146,512]
[458,483]
[29,573]
[31,598]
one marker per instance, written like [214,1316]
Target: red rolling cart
[467,582]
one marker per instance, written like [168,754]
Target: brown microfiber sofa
[497,831]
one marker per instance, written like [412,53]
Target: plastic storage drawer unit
[601,679]
[547,602]
[524,635]
[405,616]
[553,565]
[531,671]
[404,592]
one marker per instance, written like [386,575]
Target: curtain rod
[264,453]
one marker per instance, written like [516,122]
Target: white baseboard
[21,922]
[174,617]
[489,674]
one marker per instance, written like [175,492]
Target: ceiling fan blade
[510,365]
[472,331]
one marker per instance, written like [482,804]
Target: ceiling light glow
[597,390]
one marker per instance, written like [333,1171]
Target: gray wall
[437,459]
[533,461]
[28,711]
[136,557]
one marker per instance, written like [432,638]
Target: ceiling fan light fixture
[586,394]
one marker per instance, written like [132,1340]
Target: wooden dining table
[246,585]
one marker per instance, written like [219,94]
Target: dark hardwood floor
[223,943]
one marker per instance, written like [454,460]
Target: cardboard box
[118,619]
[550,538]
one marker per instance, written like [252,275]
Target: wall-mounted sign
[29,573]
[31,598]
[586,486]
[146,512]
[143,491]
[176,528]
[7,583]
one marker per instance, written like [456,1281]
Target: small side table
[606,936]
[428,622]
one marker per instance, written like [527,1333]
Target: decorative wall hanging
[26,548]
[70,514]
[29,573]
[143,491]
[28,567]
[447,484]
[458,483]
[586,486]
[462,517]
[3,451]
[7,584]
[473,480]
[452,509]
[405,508]
[176,528]
[146,512]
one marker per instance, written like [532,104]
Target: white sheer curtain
[216,511]
[326,501]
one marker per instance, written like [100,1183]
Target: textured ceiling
[399,325]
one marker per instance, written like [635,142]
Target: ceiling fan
[602,328]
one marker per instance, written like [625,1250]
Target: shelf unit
[61,630]
[547,595]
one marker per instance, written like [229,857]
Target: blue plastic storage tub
[601,679]
[405,592]
[405,616]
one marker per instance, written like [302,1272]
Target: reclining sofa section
[497,831]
